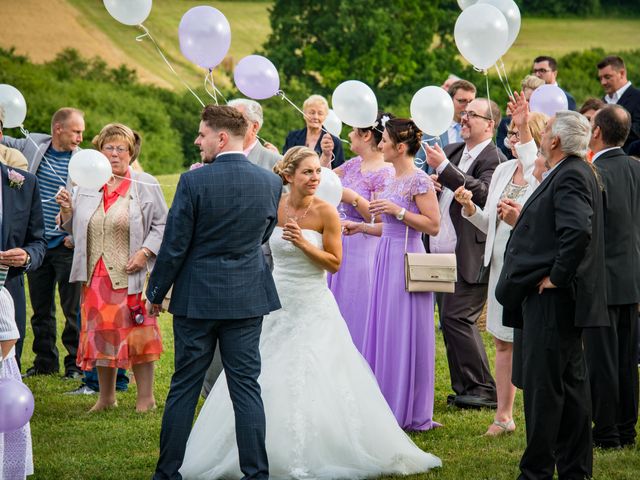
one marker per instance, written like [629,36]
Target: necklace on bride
[294,217]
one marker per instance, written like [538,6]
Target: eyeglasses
[471,115]
[513,133]
[111,148]
[540,70]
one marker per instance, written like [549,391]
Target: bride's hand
[292,233]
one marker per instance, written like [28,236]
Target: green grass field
[71,444]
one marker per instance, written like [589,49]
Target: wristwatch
[400,214]
[27,262]
[355,202]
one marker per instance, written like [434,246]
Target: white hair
[316,99]
[574,132]
[252,109]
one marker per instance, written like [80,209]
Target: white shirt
[453,132]
[617,94]
[230,152]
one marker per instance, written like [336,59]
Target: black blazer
[211,251]
[299,137]
[620,175]
[470,243]
[560,233]
[22,222]
[630,100]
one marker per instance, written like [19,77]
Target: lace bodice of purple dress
[363,183]
[402,190]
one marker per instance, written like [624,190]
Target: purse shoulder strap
[406,237]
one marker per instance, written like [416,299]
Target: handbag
[429,272]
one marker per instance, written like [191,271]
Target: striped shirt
[52,174]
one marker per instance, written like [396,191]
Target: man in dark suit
[221,214]
[546,68]
[470,163]
[552,286]
[612,352]
[22,244]
[618,89]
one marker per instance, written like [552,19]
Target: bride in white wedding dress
[326,417]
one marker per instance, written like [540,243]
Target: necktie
[464,162]
[457,127]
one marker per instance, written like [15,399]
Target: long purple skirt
[351,285]
[399,341]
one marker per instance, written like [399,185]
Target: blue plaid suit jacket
[221,215]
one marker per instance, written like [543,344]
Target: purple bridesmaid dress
[399,337]
[351,285]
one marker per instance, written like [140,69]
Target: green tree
[394,47]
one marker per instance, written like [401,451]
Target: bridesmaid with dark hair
[399,338]
[361,177]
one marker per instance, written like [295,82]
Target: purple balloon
[256,77]
[16,405]
[205,36]
[548,99]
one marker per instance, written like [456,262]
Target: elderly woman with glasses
[117,231]
[511,184]
[327,146]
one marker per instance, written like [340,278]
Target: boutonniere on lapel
[16,180]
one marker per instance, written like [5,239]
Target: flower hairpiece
[384,120]
[16,180]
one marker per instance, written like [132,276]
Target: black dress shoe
[33,371]
[474,401]
[451,399]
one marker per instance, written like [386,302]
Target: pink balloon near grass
[16,405]
[256,77]
[205,36]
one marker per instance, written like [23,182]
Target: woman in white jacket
[512,182]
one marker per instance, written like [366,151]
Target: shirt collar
[123,188]
[618,93]
[235,152]
[546,174]
[475,151]
[599,154]
[247,150]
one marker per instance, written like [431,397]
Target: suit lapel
[8,203]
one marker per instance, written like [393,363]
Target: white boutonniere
[16,180]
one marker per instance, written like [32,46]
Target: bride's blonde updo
[289,163]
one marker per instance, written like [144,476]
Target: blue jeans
[91,376]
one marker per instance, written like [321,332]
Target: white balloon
[355,104]
[14,105]
[129,12]
[511,13]
[330,188]
[333,124]
[432,110]
[481,34]
[89,169]
[466,3]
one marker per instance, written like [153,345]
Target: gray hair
[574,132]
[252,109]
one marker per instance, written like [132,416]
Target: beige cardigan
[147,218]
[13,158]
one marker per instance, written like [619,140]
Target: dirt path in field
[42,28]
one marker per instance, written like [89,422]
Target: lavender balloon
[256,77]
[16,405]
[548,99]
[205,36]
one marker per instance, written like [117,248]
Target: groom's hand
[153,309]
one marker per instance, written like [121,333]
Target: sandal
[505,427]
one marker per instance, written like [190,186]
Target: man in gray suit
[470,163]
[253,149]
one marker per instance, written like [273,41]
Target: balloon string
[140,38]
[486,77]
[505,81]
[208,80]
[26,133]
[284,97]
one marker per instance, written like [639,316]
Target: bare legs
[505,390]
[145,400]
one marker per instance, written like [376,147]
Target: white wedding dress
[326,417]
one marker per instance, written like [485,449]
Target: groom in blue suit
[211,253]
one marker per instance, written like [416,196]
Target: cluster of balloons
[16,405]
[14,105]
[486,29]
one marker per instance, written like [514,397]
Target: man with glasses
[48,157]
[546,68]
[470,163]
